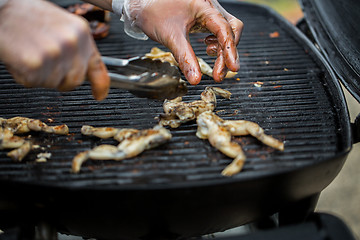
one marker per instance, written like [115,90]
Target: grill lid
[336,30]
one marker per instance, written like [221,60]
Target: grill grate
[294,104]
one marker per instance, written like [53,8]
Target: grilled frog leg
[78,160]
[24,125]
[37,125]
[178,112]
[243,127]
[219,133]
[16,125]
[210,127]
[101,152]
[118,134]
[8,140]
[19,153]
[103,132]
[131,146]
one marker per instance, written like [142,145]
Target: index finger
[97,75]
[220,27]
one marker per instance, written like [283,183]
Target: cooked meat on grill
[8,140]
[19,153]
[157,53]
[99,30]
[24,125]
[132,144]
[243,127]
[98,18]
[108,132]
[43,157]
[178,112]
[219,133]
[18,125]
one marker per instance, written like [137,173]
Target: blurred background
[290,9]
[341,198]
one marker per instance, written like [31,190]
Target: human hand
[169,22]
[43,45]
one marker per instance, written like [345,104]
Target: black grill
[295,103]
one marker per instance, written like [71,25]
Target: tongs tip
[145,77]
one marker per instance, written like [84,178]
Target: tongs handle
[117,62]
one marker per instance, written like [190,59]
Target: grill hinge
[355,127]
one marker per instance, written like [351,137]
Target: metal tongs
[145,77]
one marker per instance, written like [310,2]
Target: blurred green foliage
[288,8]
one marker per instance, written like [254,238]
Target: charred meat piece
[98,18]
[24,125]
[19,125]
[178,112]
[118,134]
[219,133]
[132,143]
[8,140]
[19,153]
[99,30]
[90,12]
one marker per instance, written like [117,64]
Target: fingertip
[220,75]
[218,78]
[234,66]
[99,79]
[193,77]
[100,87]
[99,93]
[188,62]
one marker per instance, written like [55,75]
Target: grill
[297,102]
[291,104]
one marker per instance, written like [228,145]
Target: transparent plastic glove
[169,22]
[43,45]
[130,27]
